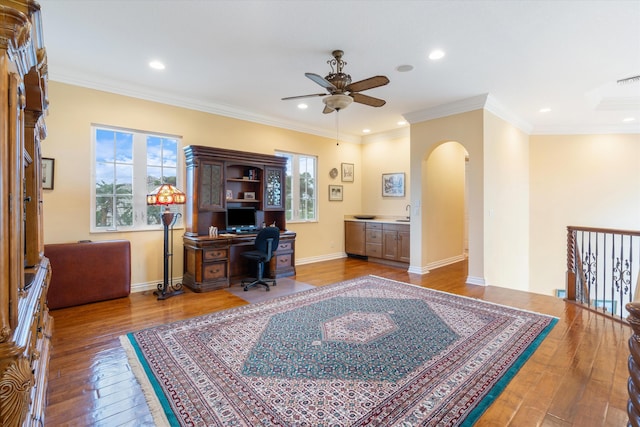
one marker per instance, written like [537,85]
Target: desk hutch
[217,179]
[25,325]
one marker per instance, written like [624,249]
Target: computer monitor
[241,219]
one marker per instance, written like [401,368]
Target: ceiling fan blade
[369,83]
[327,110]
[321,81]
[368,100]
[304,96]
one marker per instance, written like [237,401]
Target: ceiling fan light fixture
[337,102]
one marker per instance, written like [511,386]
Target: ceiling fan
[341,92]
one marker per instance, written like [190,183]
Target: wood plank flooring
[577,377]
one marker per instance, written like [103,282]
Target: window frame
[295,182]
[139,180]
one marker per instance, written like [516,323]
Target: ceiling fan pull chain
[337,127]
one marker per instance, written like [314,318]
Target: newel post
[633,385]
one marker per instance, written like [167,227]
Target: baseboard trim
[475,281]
[328,257]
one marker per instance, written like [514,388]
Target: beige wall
[66,208]
[384,155]
[579,180]
[506,204]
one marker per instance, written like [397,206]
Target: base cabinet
[378,241]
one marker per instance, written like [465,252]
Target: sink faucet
[408,209]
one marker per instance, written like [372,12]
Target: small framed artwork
[347,172]
[249,195]
[393,184]
[561,293]
[229,194]
[335,193]
[48,166]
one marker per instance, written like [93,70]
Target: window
[128,165]
[301,177]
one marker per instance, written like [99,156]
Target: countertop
[380,218]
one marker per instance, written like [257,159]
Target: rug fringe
[155,407]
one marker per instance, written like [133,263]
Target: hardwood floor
[577,377]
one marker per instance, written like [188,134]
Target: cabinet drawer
[284,246]
[210,254]
[217,270]
[374,236]
[374,226]
[283,261]
[374,250]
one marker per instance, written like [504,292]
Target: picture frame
[347,172]
[249,195]
[393,184]
[48,169]
[229,195]
[335,193]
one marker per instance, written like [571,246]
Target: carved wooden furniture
[216,180]
[25,325]
[86,272]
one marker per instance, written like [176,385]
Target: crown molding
[484,101]
[403,132]
[191,104]
[624,129]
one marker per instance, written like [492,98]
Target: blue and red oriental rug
[364,352]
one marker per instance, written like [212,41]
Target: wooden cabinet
[25,324]
[354,238]
[395,242]
[378,240]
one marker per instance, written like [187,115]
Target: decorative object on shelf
[347,172]
[229,194]
[333,173]
[48,166]
[393,184]
[364,216]
[167,195]
[250,195]
[335,193]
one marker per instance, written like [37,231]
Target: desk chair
[266,244]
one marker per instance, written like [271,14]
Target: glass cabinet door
[274,188]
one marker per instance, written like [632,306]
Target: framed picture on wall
[47,173]
[335,193]
[393,184]
[347,172]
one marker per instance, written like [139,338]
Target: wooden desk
[213,262]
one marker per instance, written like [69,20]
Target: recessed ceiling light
[545,110]
[366,130]
[629,119]
[156,65]
[402,123]
[303,106]
[404,68]
[436,54]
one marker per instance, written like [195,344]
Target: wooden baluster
[633,385]
[571,264]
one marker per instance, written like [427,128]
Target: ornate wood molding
[15,392]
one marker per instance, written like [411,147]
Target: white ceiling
[240,57]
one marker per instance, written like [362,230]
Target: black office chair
[265,245]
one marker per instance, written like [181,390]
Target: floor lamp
[167,195]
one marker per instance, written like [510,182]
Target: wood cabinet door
[390,244]
[404,246]
[354,238]
[212,186]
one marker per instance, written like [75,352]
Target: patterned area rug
[365,352]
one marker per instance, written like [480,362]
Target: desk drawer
[216,270]
[211,254]
[284,246]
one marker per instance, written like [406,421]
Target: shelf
[242,180]
[243,200]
